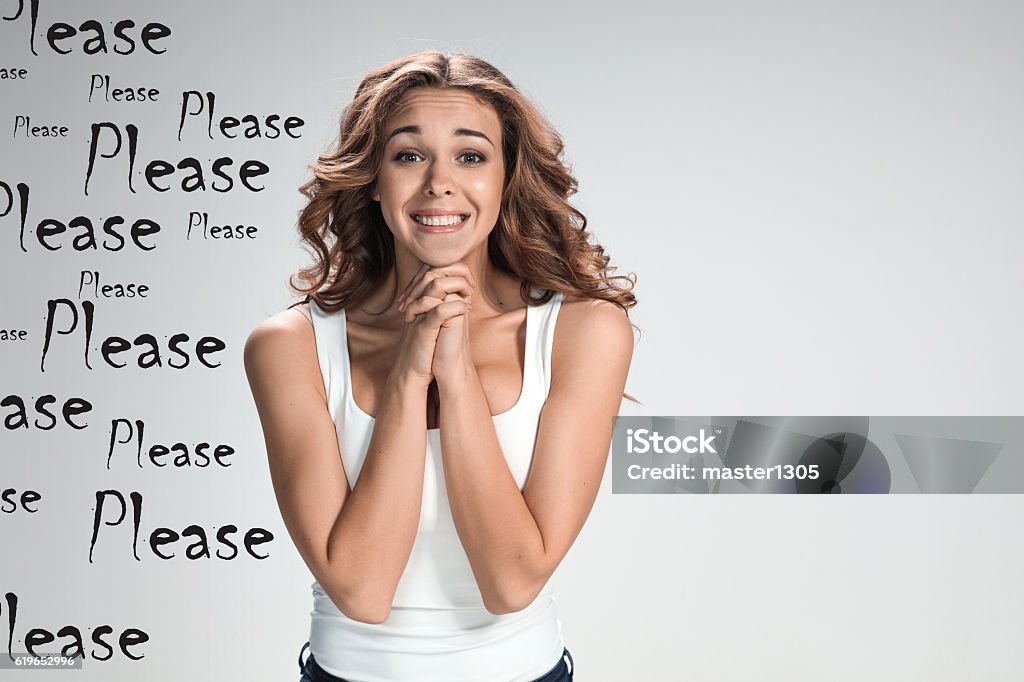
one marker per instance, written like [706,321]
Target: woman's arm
[355,542]
[515,540]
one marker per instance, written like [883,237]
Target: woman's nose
[438,181]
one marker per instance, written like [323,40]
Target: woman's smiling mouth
[434,222]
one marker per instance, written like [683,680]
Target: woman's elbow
[360,606]
[373,614]
[511,598]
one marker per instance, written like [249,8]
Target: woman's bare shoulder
[289,325]
[592,323]
[584,311]
[283,344]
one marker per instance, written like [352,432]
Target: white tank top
[438,629]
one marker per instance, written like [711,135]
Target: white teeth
[438,221]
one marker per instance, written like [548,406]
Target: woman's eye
[405,156]
[473,158]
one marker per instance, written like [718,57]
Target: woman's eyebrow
[472,133]
[415,130]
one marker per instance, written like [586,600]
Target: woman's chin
[439,256]
[435,260]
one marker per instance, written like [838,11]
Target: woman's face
[442,174]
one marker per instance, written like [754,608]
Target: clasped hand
[436,304]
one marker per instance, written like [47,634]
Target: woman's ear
[374,194]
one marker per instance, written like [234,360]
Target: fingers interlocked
[431,287]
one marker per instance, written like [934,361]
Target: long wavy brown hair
[539,237]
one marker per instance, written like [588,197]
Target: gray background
[818,199]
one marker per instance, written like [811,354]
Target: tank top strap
[331,347]
[540,335]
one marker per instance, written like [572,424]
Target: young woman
[438,410]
